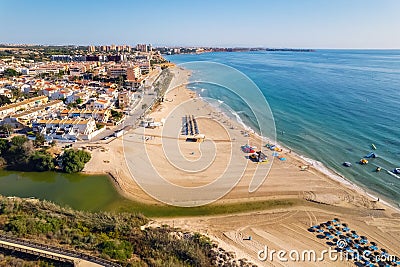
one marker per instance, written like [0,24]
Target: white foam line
[334,175]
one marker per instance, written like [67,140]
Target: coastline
[317,165]
[126,186]
[315,194]
[327,195]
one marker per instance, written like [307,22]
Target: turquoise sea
[328,105]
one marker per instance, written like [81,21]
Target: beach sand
[317,197]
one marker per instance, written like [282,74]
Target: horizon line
[208,46]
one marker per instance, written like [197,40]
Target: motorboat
[347,164]
[370,155]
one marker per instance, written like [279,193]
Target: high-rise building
[92,48]
[141,47]
[133,73]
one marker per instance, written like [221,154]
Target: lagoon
[97,193]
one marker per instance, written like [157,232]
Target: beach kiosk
[195,138]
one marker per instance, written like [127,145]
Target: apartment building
[23,105]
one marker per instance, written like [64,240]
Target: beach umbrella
[374,248]
[363,240]
[373,243]
[349,250]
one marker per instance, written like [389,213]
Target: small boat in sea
[363,161]
[378,169]
[370,155]
[373,146]
[396,171]
[347,164]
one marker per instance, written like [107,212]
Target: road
[146,97]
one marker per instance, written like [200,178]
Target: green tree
[18,140]
[41,161]
[116,249]
[7,128]
[39,140]
[60,73]
[19,151]
[74,160]
[4,100]
[3,146]
[10,73]
[116,115]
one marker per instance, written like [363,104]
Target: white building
[67,129]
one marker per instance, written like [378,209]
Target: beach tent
[248,149]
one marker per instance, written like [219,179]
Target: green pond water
[79,191]
[97,193]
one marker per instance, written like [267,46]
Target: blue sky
[279,23]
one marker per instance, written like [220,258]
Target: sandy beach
[315,196]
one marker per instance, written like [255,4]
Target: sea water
[328,105]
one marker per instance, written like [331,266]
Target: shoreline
[350,194]
[316,195]
[317,165]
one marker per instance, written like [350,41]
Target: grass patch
[156,211]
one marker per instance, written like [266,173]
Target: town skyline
[309,24]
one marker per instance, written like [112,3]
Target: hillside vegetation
[117,237]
